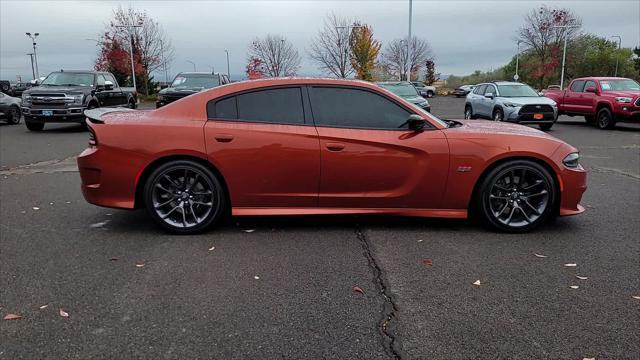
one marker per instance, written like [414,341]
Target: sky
[464,35]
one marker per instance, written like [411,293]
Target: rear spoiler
[95,115]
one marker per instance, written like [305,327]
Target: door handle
[224,138]
[334,146]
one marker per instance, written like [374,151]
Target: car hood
[500,128]
[537,100]
[58,89]
[628,93]
[181,90]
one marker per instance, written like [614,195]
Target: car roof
[393,83]
[601,78]
[197,73]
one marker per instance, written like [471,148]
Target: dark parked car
[188,83]
[17,89]
[463,90]
[407,91]
[64,95]
[10,108]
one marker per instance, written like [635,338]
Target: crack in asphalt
[386,324]
[607,170]
[46,167]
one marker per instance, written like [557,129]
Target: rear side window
[278,106]
[577,86]
[354,108]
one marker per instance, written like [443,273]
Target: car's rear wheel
[468,113]
[184,197]
[13,115]
[430,94]
[498,115]
[34,125]
[517,196]
[605,119]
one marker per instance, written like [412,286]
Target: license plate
[47,113]
[538,116]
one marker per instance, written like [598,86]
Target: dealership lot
[284,287]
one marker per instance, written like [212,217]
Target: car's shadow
[619,126]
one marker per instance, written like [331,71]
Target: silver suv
[510,101]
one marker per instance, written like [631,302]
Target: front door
[265,144]
[572,96]
[369,159]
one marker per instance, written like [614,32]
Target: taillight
[93,139]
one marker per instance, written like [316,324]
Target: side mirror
[590,89]
[164,86]
[415,122]
[488,95]
[540,93]
[108,85]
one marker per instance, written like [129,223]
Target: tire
[498,115]
[34,125]
[131,104]
[170,201]
[468,113]
[546,127]
[13,115]
[590,119]
[530,205]
[605,120]
[430,94]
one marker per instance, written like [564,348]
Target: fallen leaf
[249,230]
[44,306]
[427,262]
[67,202]
[113,259]
[420,240]
[636,297]
[50,203]
[109,214]
[256,277]
[582,277]
[12,317]
[23,212]
[35,208]
[140,265]
[212,248]
[477,283]
[100,224]
[64,313]
[574,286]
[571,265]
[588,358]
[540,255]
[357,289]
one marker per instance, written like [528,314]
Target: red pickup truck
[602,101]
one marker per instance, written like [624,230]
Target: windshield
[517,91]
[191,81]
[69,79]
[619,85]
[401,89]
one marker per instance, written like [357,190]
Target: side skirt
[437,213]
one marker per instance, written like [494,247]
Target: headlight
[26,98]
[510,104]
[624,100]
[571,161]
[423,104]
[77,99]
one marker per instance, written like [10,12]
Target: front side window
[589,84]
[490,90]
[100,80]
[354,108]
[577,86]
[108,77]
[479,90]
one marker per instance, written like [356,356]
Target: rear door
[369,158]
[477,99]
[266,147]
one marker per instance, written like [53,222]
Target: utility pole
[516,76]
[164,63]
[35,56]
[228,72]
[617,55]
[130,34]
[564,51]
[33,70]
[409,42]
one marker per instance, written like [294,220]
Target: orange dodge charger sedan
[303,146]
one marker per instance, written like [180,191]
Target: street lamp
[192,63]
[35,57]
[228,72]
[130,34]
[516,76]
[33,71]
[564,51]
[409,42]
[164,63]
[617,55]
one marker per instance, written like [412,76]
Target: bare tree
[541,34]
[396,58]
[277,55]
[330,49]
[152,46]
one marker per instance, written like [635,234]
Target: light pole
[164,63]
[35,56]
[192,63]
[349,29]
[228,72]
[33,71]
[516,76]
[409,42]
[564,51]
[130,34]
[617,55]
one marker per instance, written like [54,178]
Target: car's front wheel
[430,94]
[13,115]
[498,115]
[184,197]
[605,119]
[34,125]
[517,196]
[468,113]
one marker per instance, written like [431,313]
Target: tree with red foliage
[114,57]
[255,68]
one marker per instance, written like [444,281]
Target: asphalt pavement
[314,287]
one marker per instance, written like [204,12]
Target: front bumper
[75,114]
[573,184]
[513,114]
